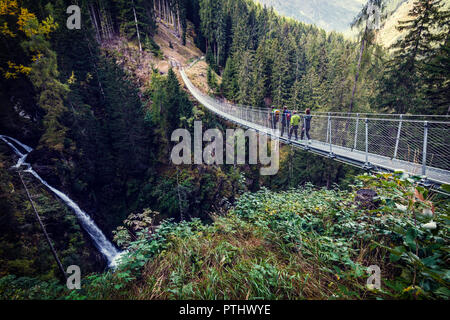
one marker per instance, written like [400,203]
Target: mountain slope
[397,10]
[328,14]
[389,34]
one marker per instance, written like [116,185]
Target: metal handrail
[423,142]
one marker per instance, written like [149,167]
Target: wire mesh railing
[385,116]
[396,137]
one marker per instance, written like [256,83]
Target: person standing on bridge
[285,120]
[274,118]
[295,121]
[306,124]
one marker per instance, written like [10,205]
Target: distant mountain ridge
[333,15]
[330,15]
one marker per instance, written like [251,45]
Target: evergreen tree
[229,85]
[402,86]
[178,105]
[136,19]
[283,74]
[245,79]
[124,121]
[437,79]
[212,80]
[261,77]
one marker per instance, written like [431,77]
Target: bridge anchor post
[367,164]
[425,146]
[330,136]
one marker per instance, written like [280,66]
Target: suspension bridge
[418,145]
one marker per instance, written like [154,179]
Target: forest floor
[173,49]
[141,64]
[198,76]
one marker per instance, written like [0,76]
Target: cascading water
[108,250]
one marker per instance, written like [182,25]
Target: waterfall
[108,250]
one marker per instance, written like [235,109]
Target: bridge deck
[347,155]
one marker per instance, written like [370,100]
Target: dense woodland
[105,140]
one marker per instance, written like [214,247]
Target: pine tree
[124,121]
[401,88]
[437,79]
[306,93]
[212,80]
[229,85]
[177,105]
[283,73]
[245,71]
[261,77]
[136,19]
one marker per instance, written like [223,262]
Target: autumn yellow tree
[19,22]
[15,22]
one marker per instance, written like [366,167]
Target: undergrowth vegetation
[298,244]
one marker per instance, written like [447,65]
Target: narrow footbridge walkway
[418,145]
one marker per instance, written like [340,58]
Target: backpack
[277,115]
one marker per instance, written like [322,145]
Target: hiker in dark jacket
[306,124]
[285,120]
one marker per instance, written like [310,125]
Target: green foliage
[143,11]
[153,47]
[23,288]
[133,227]
[299,244]
[229,85]
[421,244]
[212,80]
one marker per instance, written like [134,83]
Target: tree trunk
[215,51]
[180,202]
[178,22]
[164,10]
[94,21]
[167,13]
[218,55]
[361,52]
[137,27]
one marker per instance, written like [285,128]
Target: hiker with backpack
[285,121]
[295,122]
[274,118]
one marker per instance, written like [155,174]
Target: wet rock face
[44,162]
[367,199]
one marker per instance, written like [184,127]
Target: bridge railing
[398,137]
